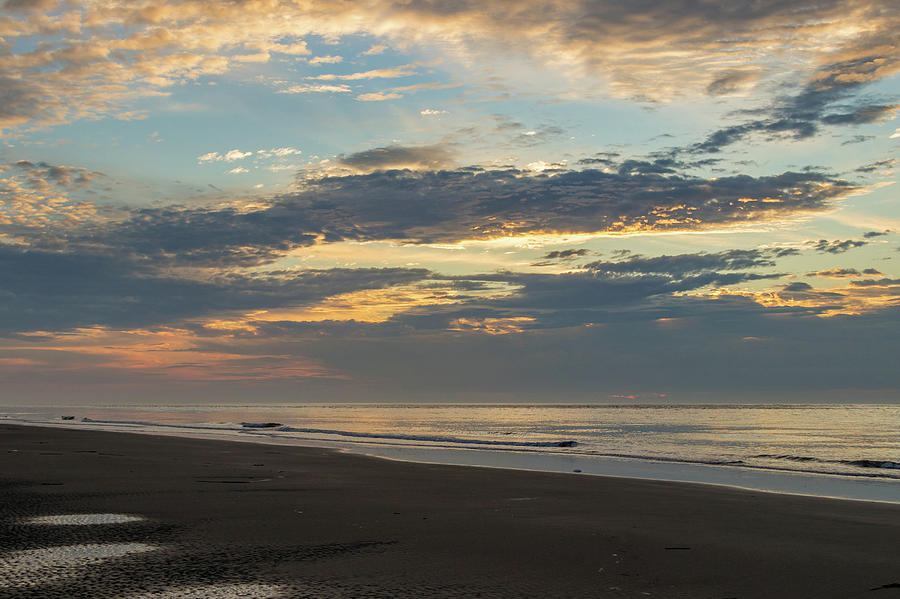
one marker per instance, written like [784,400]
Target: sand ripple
[223,591]
[30,567]
[83,519]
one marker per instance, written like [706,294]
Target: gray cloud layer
[451,206]
[53,291]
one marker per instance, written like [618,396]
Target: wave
[874,464]
[426,438]
[799,469]
[138,423]
[862,463]
[251,428]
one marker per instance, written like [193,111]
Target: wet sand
[233,519]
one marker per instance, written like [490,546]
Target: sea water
[850,451]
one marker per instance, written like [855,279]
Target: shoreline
[844,487]
[313,522]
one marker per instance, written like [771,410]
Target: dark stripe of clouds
[52,291]
[638,287]
[450,206]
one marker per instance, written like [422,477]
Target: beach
[179,517]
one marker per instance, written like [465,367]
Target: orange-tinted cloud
[90,65]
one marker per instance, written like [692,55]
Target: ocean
[850,451]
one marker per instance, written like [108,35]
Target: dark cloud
[871,234]
[453,205]
[600,293]
[449,206]
[837,246]
[885,282]
[837,273]
[827,99]
[42,174]
[591,161]
[804,292]
[794,287]
[668,343]
[399,157]
[735,347]
[684,264]
[560,255]
[30,4]
[782,252]
[565,254]
[58,291]
[632,322]
[879,165]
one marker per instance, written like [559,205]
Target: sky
[428,200]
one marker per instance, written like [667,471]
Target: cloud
[431,112]
[378,97]
[885,166]
[325,60]
[826,99]
[884,282]
[684,356]
[81,52]
[229,156]
[375,50]
[445,207]
[398,157]
[837,273]
[837,246]
[399,197]
[406,70]
[294,49]
[36,196]
[308,88]
[682,265]
[448,206]
[732,81]
[643,322]
[24,5]
[278,152]
[117,290]
[509,302]
[557,257]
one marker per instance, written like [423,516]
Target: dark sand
[324,525]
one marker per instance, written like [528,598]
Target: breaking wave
[863,463]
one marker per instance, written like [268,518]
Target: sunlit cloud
[378,97]
[326,60]
[99,67]
[162,354]
[320,88]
